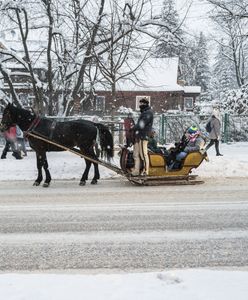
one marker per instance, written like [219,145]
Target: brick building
[157,81]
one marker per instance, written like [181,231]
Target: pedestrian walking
[11,143]
[215,132]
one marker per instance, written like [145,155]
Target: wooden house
[156,80]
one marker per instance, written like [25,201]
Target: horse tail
[106,140]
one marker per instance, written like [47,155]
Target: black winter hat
[144,101]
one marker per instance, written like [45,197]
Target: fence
[235,128]
[170,127]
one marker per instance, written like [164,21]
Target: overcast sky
[197,18]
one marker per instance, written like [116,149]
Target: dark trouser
[5,149]
[216,143]
[10,145]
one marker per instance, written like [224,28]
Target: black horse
[76,133]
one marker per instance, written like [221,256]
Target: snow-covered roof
[156,74]
[16,65]
[20,85]
[12,38]
[36,46]
[192,89]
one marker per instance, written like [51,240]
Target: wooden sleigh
[159,173]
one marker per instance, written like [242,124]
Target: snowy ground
[171,285]
[65,165]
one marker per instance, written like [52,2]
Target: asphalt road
[118,226]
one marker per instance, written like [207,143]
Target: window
[42,75]
[188,103]
[100,103]
[31,100]
[138,98]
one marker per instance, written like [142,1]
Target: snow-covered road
[117,226]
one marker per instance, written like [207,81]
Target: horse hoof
[36,183]
[46,184]
[82,183]
[94,181]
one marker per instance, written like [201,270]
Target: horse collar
[34,124]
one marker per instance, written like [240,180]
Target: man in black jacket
[142,131]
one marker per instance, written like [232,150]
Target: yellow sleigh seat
[158,164]
[156,160]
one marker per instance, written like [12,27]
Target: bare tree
[19,14]
[7,78]
[81,36]
[119,41]
[231,19]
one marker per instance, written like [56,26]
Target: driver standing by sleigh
[142,130]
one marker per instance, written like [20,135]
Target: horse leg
[39,163]
[86,172]
[96,169]
[47,172]
[96,175]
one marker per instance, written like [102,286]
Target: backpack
[208,127]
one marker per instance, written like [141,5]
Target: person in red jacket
[11,143]
[128,126]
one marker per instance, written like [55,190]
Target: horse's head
[13,115]
[9,118]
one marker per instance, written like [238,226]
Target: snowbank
[171,285]
[234,163]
